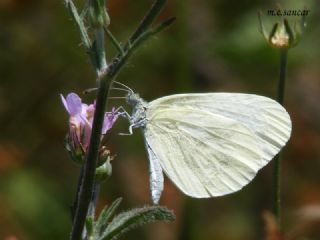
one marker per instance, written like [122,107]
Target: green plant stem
[87,184]
[86,190]
[106,74]
[277,159]
[100,51]
[105,80]
[282,75]
[94,199]
[76,199]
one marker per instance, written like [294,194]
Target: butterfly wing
[267,119]
[204,154]
[156,175]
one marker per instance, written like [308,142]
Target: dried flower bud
[282,34]
[281,38]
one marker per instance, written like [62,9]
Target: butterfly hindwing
[156,174]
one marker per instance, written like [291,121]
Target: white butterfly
[208,144]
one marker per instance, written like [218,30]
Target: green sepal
[76,155]
[104,171]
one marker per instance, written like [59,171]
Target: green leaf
[104,217]
[83,32]
[134,218]
[147,20]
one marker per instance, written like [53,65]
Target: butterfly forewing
[267,119]
[203,153]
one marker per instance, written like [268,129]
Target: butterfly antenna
[89,90]
[117,97]
[123,85]
[121,89]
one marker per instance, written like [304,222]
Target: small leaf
[134,218]
[89,225]
[163,25]
[147,20]
[83,32]
[105,215]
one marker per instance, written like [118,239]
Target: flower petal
[74,104]
[109,119]
[86,135]
[90,112]
[64,102]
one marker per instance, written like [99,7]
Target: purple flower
[80,122]
[109,119]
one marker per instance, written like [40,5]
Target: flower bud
[282,35]
[105,170]
[97,14]
[76,152]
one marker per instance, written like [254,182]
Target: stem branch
[114,41]
[147,20]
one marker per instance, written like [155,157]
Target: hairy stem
[106,74]
[87,185]
[94,199]
[76,199]
[100,51]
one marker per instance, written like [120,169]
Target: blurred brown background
[213,46]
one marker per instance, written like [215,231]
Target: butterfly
[208,144]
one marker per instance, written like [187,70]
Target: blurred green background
[214,45]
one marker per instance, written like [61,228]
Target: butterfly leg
[129,133]
[122,112]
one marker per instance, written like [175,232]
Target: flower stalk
[277,159]
[282,37]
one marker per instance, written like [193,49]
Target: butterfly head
[134,99]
